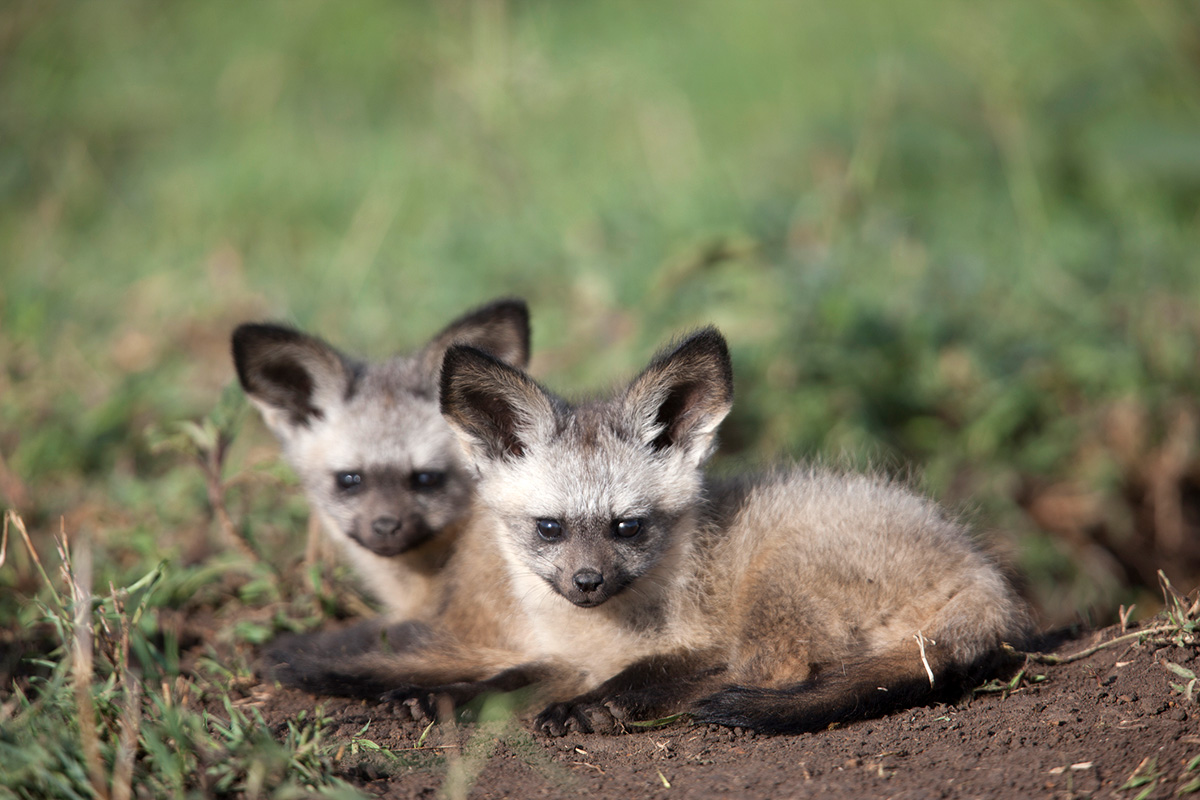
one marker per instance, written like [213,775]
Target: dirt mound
[1108,725]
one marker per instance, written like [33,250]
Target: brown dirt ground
[1089,729]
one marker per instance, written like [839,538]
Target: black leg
[433,702]
[649,689]
[341,662]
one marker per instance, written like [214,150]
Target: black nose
[588,580]
[385,526]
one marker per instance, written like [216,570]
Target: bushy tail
[961,644]
[855,690]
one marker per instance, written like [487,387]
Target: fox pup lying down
[603,569]
[379,465]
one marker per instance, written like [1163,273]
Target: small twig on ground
[1124,614]
[1182,627]
[1050,658]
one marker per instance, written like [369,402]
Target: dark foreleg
[342,662]
[432,702]
[649,689]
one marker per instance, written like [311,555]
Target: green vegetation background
[956,239]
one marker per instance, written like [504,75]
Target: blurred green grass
[960,238]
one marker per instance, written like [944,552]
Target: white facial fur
[635,457]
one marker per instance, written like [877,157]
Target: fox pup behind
[779,603]
[379,465]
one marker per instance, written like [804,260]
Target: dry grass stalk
[77,572]
[131,722]
[19,524]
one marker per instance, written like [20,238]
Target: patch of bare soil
[1109,725]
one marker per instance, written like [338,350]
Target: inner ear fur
[499,410]
[289,371]
[685,393]
[500,328]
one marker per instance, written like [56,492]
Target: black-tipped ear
[290,375]
[498,411]
[500,328]
[680,399]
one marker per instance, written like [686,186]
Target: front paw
[431,703]
[419,703]
[579,717]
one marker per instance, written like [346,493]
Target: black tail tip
[748,708]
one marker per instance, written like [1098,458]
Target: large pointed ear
[680,399]
[497,411]
[292,377]
[500,328]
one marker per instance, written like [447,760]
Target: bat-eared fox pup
[379,465]
[602,568]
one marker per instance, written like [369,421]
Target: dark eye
[348,481]
[626,528]
[549,529]
[428,480]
